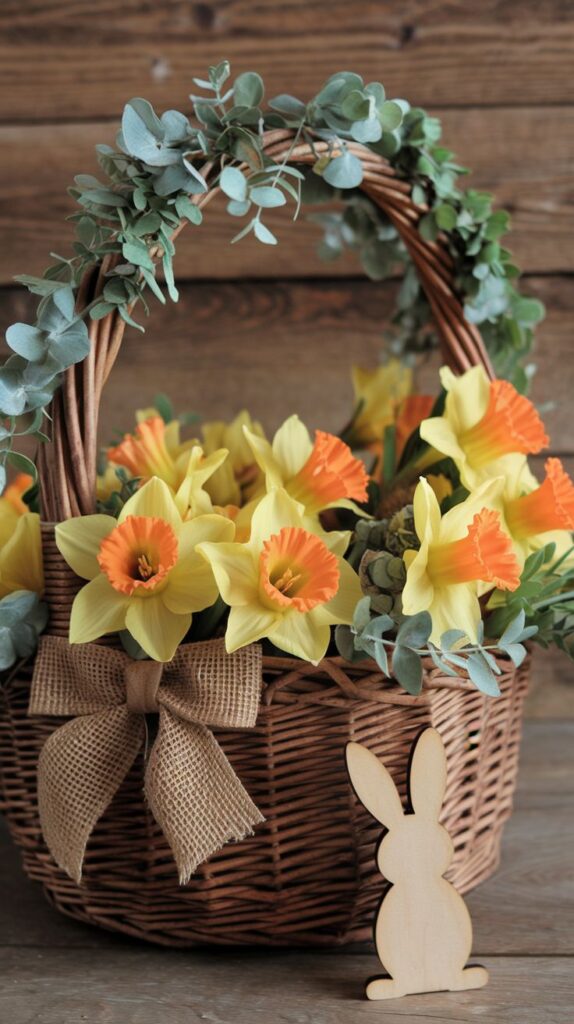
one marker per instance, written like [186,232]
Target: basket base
[308,876]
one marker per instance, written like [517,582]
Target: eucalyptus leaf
[248,89]
[233,183]
[267,197]
[345,171]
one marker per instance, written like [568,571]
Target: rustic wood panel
[288,347]
[521,910]
[143,986]
[524,156]
[60,59]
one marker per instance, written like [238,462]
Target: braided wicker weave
[308,874]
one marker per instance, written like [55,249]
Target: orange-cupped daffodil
[21,566]
[143,570]
[239,478]
[154,449]
[320,475]
[465,547]
[484,422]
[537,514]
[378,393]
[286,583]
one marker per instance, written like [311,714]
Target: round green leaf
[345,171]
[233,183]
[248,89]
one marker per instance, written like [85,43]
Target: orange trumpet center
[510,424]
[145,453]
[549,507]
[484,554]
[138,554]
[331,472]
[297,570]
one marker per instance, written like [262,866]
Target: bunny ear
[373,785]
[427,776]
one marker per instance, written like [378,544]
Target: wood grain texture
[423,931]
[498,52]
[286,347]
[54,971]
[144,987]
[524,157]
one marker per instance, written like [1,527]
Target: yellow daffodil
[239,478]
[144,573]
[378,393]
[154,449]
[319,475]
[458,550]
[538,514]
[286,583]
[484,423]
[21,557]
[12,505]
[192,497]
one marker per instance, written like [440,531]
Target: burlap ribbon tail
[191,788]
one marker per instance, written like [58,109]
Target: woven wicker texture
[308,875]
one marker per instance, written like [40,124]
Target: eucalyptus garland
[159,168]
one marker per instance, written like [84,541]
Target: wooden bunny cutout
[423,931]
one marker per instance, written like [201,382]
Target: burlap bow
[192,790]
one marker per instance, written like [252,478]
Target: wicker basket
[308,875]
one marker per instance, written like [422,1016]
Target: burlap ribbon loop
[190,786]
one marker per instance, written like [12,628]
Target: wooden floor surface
[56,971]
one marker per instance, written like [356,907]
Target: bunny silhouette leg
[470,977]
[383,988]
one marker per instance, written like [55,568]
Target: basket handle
[68,465]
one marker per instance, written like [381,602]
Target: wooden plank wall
[498,73]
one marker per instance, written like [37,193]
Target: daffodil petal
[418,591]
[247,625]
[153,499]
[210,527]
[98,609]
[292,446]
[21,558]
[235,571]
[426,510]
[301,635]
[458,605]
[341,608]
[191,586]
[263,455]
[439,434]
[467,398]
[155,628]
[79,541]
[275,511]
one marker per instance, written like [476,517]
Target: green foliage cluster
[401,652]
[545,598]
[161,166]
[23,616]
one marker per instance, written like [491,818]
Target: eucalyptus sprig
[161,166]
[23,616]
[369,637]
